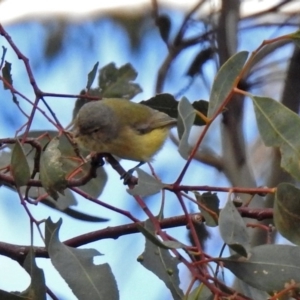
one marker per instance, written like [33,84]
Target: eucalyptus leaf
[6,73]
[286,212]
[186,118]
[295,37]
[233,229]
[37,288]
[52,173]
[268,267]
[147,185]
[86,280]
[225,81]
[279,127]
[19,166]
[160,262]
[91,76]
[117,83]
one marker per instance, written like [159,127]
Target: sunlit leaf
[117,83]
[225,81]
[91,76]
[52,173]
[287,212]
[147,185]
[86,280]
[279,127]
[186,117]
[160,262]
[267,267]
[233,229]
[19,166]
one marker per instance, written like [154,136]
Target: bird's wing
[156,120]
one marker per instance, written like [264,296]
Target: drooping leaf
[233,229]
[162,264]
[225,81]
[286,212]
[186,117]
[267,267]
[279,127]
[37,288]
[209,207]
[86,280]
[19,166]
[147,185]
[6,73]
[91,76]
[52,172]
[117,83]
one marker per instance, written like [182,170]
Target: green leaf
[117,83]
[225,81]
[200,106]
[209,207]
[160,262]
[86,280]
[91,76]
[52,172]
[233,229]
[6,73]
[186,118]
[19,166]
[37,288]
[147,185]
[169,105]
[295,37]
[268,267]
[279,127]
[163,102]
[287,212]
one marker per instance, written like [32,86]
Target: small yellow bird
[123,128]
